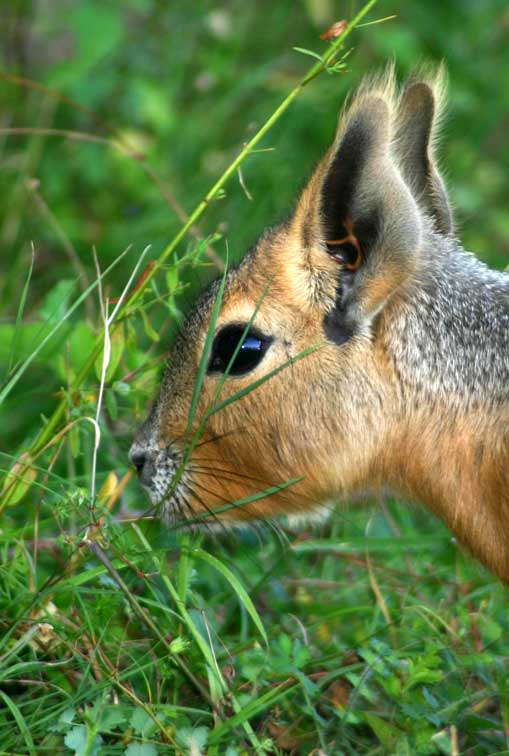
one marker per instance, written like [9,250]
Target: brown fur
[355,414]
[440,464]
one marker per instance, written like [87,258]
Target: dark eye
[251,352]
[348,253]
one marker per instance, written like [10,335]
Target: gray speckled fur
[451,338]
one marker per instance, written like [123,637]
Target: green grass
[372,633]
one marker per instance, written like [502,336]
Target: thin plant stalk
[315,70]
[108,321]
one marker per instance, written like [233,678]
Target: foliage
[373,634]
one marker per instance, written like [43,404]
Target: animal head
[298,336]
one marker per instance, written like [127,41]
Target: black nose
[138,459]
[144,464]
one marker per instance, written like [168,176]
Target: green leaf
[142,723]
[285,644]
[360,543]
[122,388]
[76,740]
[195,739]
[491,629]
[424,676]
[172,279]
[40,346]
[64,722]
[83,742]
[151,333]
[75,441]
[308,52]
[140,749]
[403,748]
[186,616]
[18,481]
[251,710]
[111,716]
[78,344]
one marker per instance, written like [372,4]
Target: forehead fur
[274,273]
[244,285]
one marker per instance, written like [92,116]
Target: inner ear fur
[357,201]
[417,120]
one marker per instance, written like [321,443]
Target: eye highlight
[251,352]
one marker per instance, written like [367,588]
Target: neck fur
[458,465]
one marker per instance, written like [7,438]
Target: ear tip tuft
[418,117]
[379,87]
[375,106]
[369,111]
[433,79]
[422,88]
[417,97]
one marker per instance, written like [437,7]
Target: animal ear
[358,220]
[416,125]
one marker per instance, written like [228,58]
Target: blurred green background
[185,85]
[116,117]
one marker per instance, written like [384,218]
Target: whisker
[181,498]
[218,437]
[204,505]
[182,439]
[222,498]
[278,532]
[306,500]
[230,473]
[212,493]
[185,521]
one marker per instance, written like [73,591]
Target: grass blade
[252,709]
[19,314]
[4,393]
[206,353]
[254,385]
[200,641]
[20,721]
[243,502]
[391,545]
[237,586]
[186,617]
